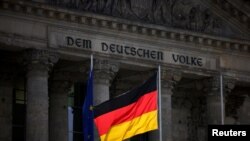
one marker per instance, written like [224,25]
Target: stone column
[6,94]
[104,72]
[213,101]
[58,109]
[228,86]
[168,80]
[244,112]
[214,98]
[38,63]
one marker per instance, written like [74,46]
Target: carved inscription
[187,60]
[78,42]
[132,51]
[82,43]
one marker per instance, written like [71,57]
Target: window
[19,112]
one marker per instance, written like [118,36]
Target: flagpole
[221,99]
[91,62]
[87,108]
[159,106]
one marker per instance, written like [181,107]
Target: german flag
[130,114]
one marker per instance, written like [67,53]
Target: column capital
[212,85]
[229,84]
[105,70]
[36,59]
[170,77]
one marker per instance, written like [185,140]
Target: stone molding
[175,13]
[47,11]
[104,71]
[235,17]
[241,5]
[226,6]
[36,59]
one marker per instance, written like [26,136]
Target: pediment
[194,15]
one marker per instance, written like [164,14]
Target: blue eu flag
[87,111]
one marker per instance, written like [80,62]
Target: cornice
[238,12]
[60,14]
[241,5]
[240,17]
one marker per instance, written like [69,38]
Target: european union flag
[87,111]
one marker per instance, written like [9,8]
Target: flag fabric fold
[87,111]
[130,114]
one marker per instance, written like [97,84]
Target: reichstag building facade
[45,48]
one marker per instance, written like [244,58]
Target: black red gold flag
[130,114]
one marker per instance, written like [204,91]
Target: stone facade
[48,43]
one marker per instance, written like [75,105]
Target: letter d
[70,41]
[104,47]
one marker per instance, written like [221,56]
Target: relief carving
[185,14]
